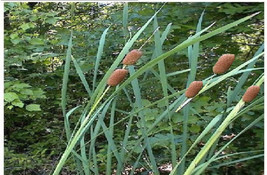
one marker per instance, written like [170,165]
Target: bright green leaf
[10,96]
[10,107]
[25,26]
[33,107]
[18,103]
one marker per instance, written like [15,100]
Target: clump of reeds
[251,93]
[223,63]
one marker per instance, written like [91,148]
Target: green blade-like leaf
[137,93]
[82,77]
[99,55]
[193,52]
[66,76]
[125,19]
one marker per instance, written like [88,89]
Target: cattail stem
[209,78]
[100,98]
[148,38]
[183,104]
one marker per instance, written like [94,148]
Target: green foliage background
[36,40]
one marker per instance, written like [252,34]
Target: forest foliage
[35,47]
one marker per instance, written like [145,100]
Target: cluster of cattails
[221,66]
[119,74]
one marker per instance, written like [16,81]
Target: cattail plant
[193,89]
[117,76]
[132,57]
[223,63]
[251,93]
[97,104]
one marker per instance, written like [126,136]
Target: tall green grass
[103,105]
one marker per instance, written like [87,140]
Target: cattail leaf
[68,133]
[251,106]
[137,162]
[107,132]
[111,131]
[85,161]
[82,77]
[99,55]
[125,19]
[237,161]
[207,129]
[189,55]
[67,126]
[163,79]
[237,153]
[92,150]
[112,145]
[177,72]
[137,94]
[65,84]
[165,33]
[193,59]
[64,94]
[94,133]
[124,144]
[66,76]
[126,135]
[156,74]
[162,39]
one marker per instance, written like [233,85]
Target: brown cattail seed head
[223,63]
[132,57]
[117,76]
[193,89]
[251,93]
